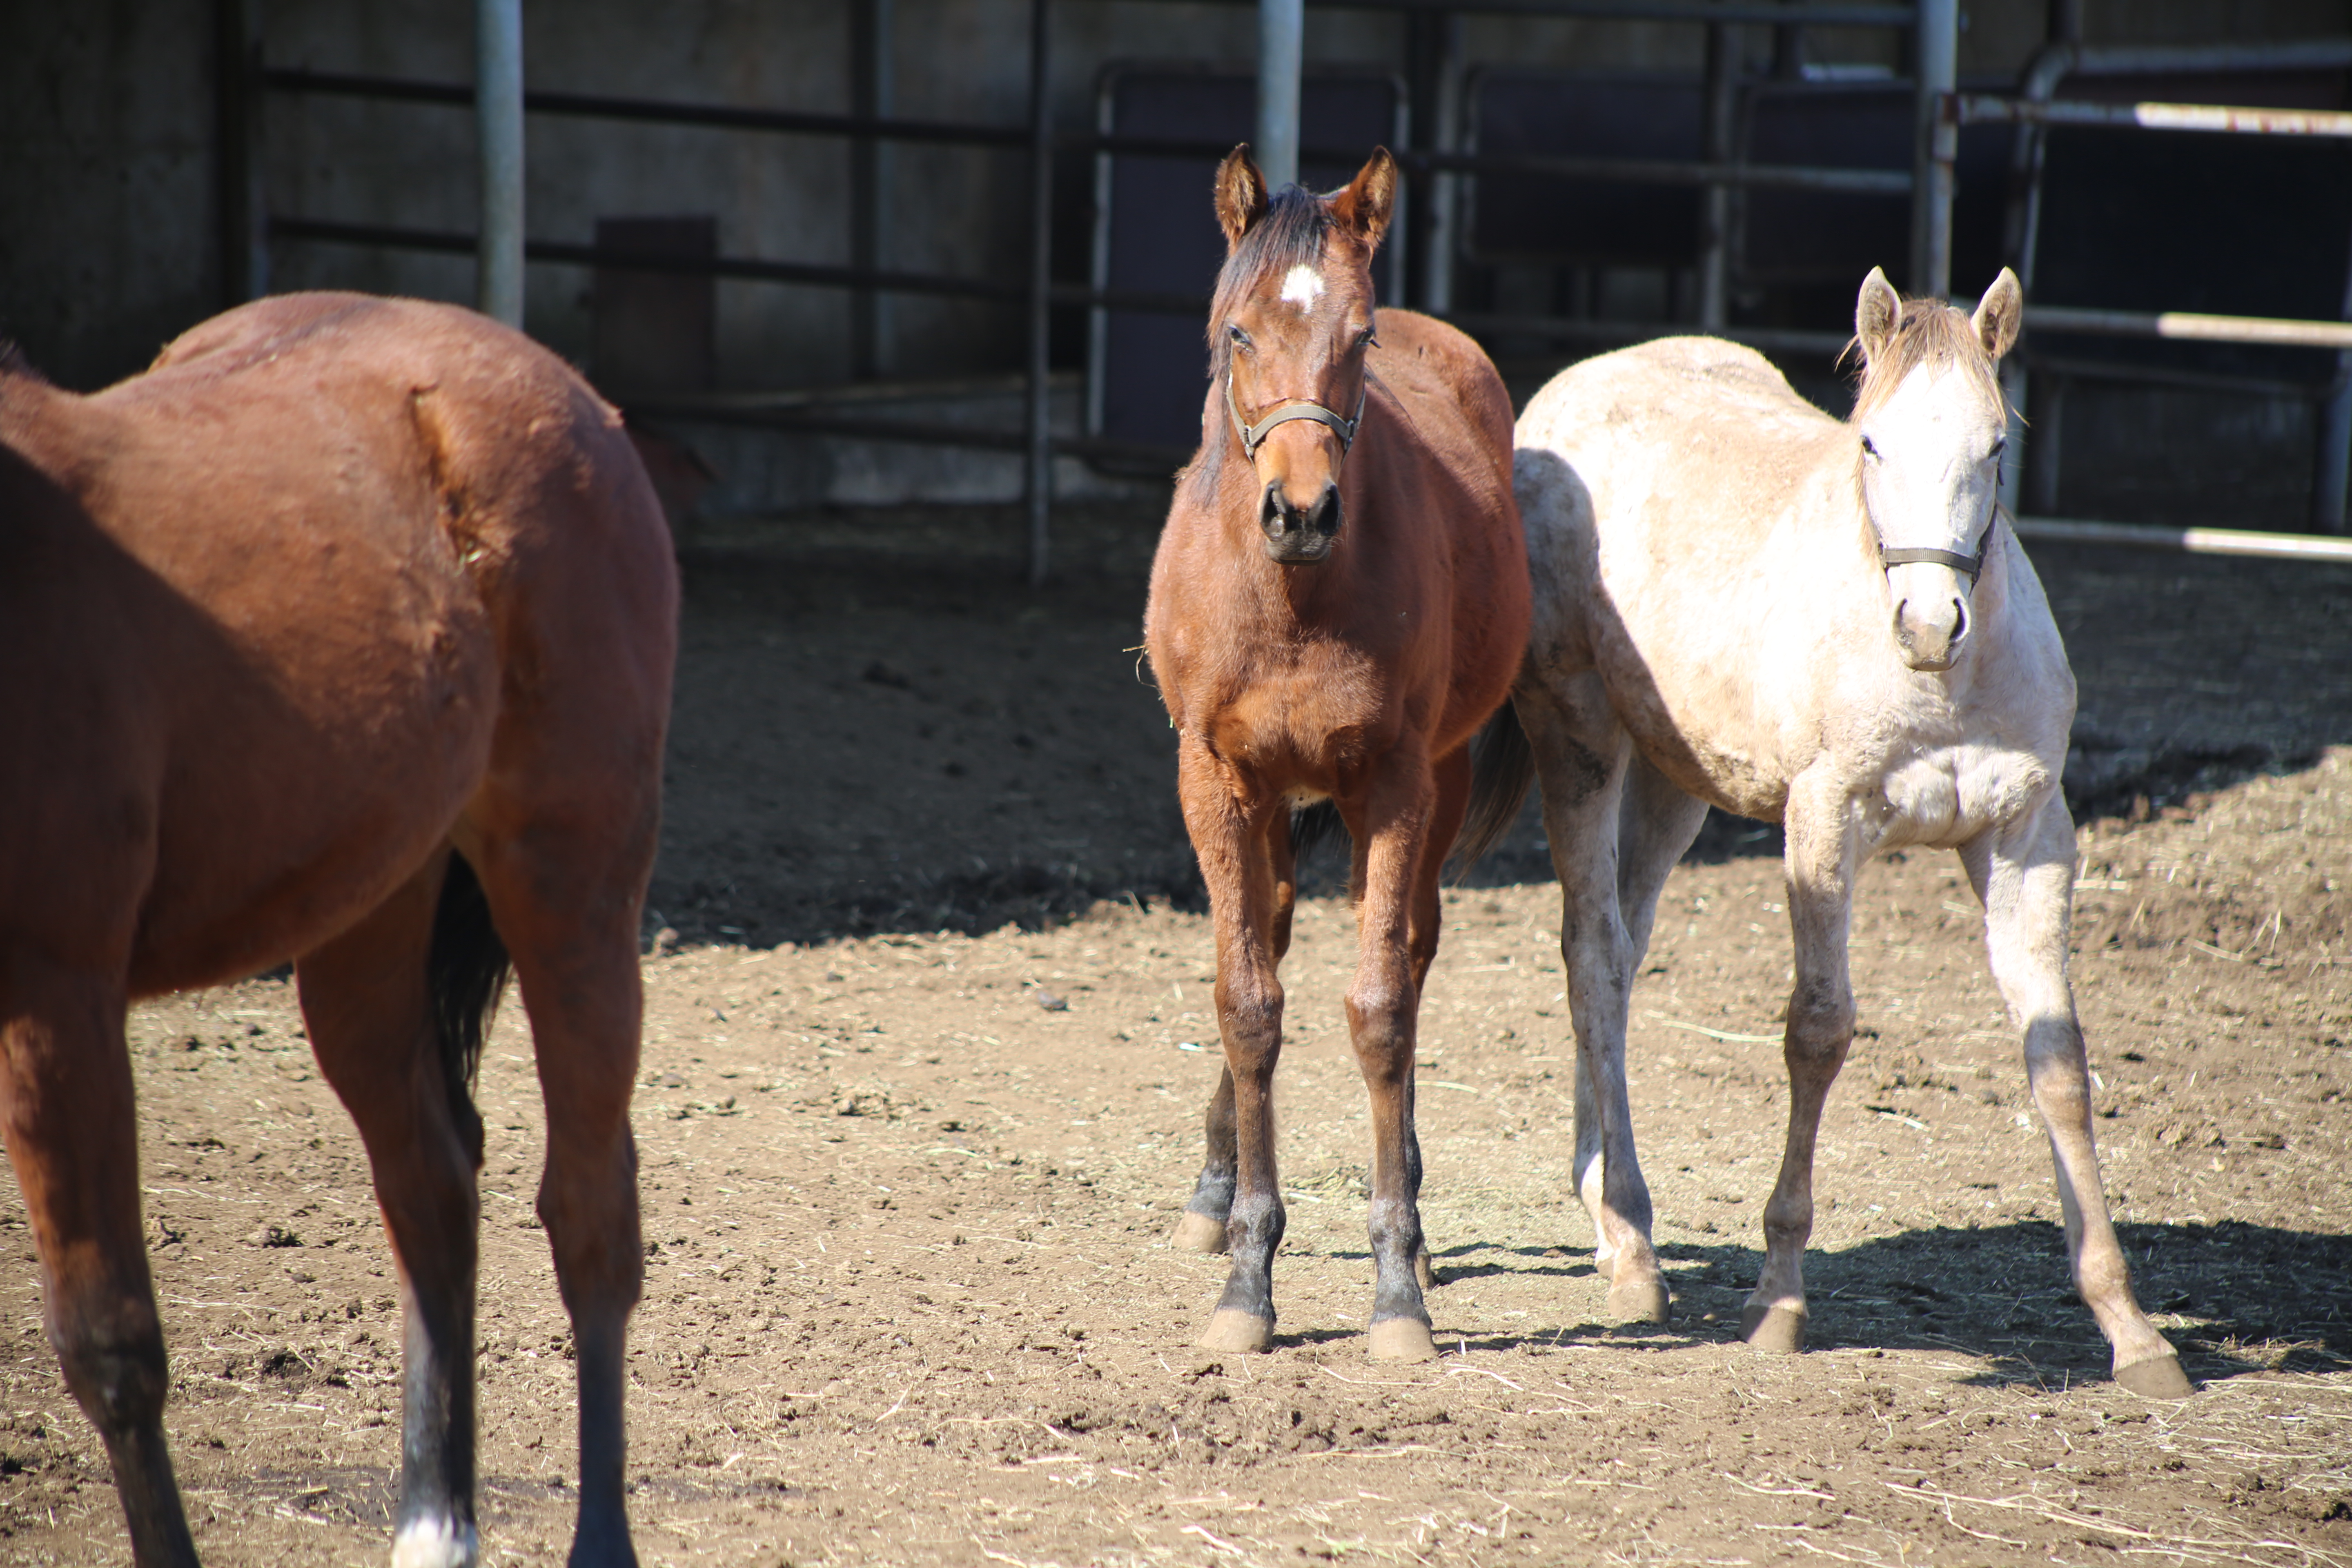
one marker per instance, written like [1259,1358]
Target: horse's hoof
[2158,1377]
[1235,1330]
[1425,1271]
[1777,1331]
[1640,1301]
[1402,1339]
[431,1543]
[1198,1233]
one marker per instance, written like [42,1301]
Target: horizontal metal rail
[2190,326]
[811,274]
[1784,339]
[1982,109]
[657,111]
[1670,172]
[1796,14]
[2195,541]
[2139,375]
[912,432]
[1633,171]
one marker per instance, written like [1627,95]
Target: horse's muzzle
[1929,635]
[1294,537]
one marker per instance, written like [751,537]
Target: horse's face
[1296,325]
[1930,463]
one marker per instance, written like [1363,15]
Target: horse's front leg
[1393,828]
[2025,873]
[1226,820]
[1821,853]
[1203,1226]
[65,1109]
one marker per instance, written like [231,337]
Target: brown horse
[343,636]
[1329,625]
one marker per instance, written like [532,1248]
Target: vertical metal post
[1281,55]
[1041,287]
[497,108]
[872,83]
[242,210]
[1939,143]
[1719,108]
[2333,471]
[1444,203]
[1789,48]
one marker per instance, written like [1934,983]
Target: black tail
[1502,765]
[1312,826]
[465,970]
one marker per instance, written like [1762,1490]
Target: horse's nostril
[1959,619]
[1269,508]
[1325,517]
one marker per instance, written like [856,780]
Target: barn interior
[838,255]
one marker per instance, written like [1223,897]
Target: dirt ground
[929,1043]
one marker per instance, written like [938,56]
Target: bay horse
[343,635]
[1744,603]
[1329,625]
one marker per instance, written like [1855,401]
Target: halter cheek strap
[1254,435]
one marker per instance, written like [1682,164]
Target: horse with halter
[1741,602]
[342,636]
[1338,603]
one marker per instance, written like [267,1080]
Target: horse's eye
[2001,445]
[1869,447]
[1364,340]
[1241,339]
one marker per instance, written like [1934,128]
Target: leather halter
[1254,435]
[1971,564]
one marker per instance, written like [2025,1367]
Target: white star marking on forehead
[1302,287]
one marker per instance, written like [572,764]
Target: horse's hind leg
[66,1103]
[567,889]
[1452,776]
[2024,874]
[1821,851]
[368,1003]
[1583,755]
[1203,1226]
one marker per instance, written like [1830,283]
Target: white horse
[1742,602]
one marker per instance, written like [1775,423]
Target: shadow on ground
[2253,1297]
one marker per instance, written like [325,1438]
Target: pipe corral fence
[1435,171]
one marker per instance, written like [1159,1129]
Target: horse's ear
[1998,314]
[1362,209]
[1877,311]
[1241,196]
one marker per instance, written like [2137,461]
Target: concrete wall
[108,228]
[106,247]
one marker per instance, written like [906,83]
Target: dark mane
[1292,234]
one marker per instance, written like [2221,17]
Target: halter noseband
[1971,564]
[1254,435]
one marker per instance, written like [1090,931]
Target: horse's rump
[312,558]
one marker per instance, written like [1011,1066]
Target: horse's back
[332,554]
[1723,395]
[1439,372]
[1460,415]
[1641,464]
